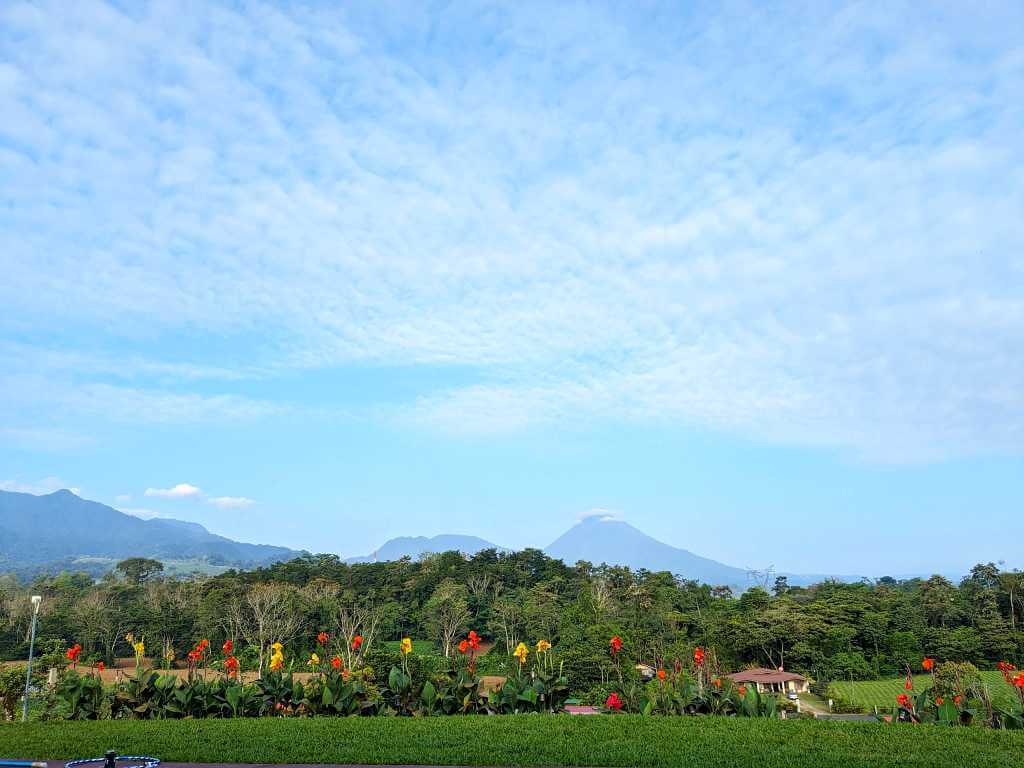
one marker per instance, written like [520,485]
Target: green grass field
[419,647]
[883,693]
[524,740]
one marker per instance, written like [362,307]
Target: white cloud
[604,515]
[180,491]
[230,502]
[607,219]
[145,514]
[38,488]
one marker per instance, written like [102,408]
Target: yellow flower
[277,647]
[276,661]
[407,645]
[521,652]
[169,655]
[543,645]
[130,637]
[313,660]
[140,648]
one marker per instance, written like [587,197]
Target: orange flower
[957,700]
[903,700]
[464,646]
[927,664]
[742,690]
[322,638]
[73,653]
[228,647]
[1018,681]
[473,639]
[661,674]
[908,685]
[718,682]
[231,666]
[698,656]
[336,662]
[939,701]
[345,674]
[357,642]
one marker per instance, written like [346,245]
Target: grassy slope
[524,740]
[883,693]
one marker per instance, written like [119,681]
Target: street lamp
[36,600]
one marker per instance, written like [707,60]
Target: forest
[829,631]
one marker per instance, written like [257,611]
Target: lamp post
[36,600]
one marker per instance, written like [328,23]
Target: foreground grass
[883,693]
[524,740]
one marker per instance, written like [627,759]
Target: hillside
[60,527]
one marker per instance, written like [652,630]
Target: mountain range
[46,533]
[60,527]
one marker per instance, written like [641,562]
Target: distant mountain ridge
[415,546]
[39,533]
[602,539]
[35,530]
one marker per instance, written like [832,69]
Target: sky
[320,274]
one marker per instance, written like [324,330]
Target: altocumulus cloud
[798,224]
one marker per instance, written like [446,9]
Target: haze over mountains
[51,532]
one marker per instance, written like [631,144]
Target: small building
[771,680]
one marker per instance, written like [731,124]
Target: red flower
[203,645]
[742,690]
[957,700]
[718,682]
[614,702]
[73,653]
[336,662]
[1019,680]
[345,675]
[616,644]
[101,666]
[357,641]
[927,664]
[323,637]
[228,647]
[661,674]
[194,656]
[939,701]
[464,646]
[231,665]
[473,639]
[903,700]
[909,684]
[698,656]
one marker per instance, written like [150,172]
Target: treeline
[829,631]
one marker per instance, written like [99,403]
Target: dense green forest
[830,631]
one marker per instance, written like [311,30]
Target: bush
[12,686]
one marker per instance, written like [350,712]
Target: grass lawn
[883,693]
[419,647]
[524,740]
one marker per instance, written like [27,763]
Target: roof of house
[762,675]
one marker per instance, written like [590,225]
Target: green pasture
[419,647]
[524,740]
[883,693]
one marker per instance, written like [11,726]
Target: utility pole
[36,600]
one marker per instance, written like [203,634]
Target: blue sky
[321,274]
